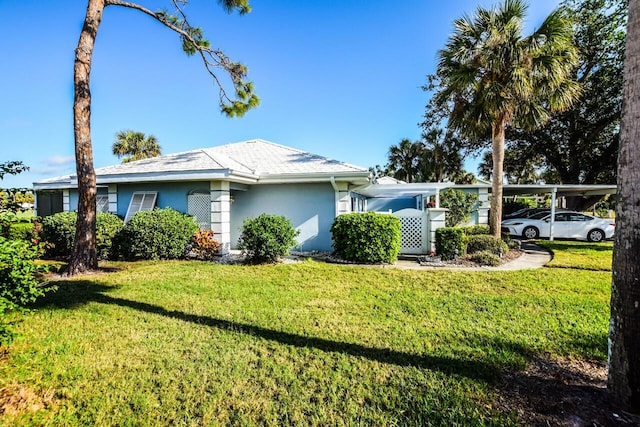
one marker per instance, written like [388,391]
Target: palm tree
[404,159]
[495,77]
[441,160]
[624,329]
[130,145]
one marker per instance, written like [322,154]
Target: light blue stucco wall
[383,204]
[309,207]
[170,194]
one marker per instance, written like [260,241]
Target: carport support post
[221,214]
[552,219]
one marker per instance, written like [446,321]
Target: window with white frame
[141,201]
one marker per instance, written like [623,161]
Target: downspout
[336,194]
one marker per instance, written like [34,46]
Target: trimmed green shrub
[450,242]
[12,227]
[107,226]
[156,234]
[266,238]
[487,243]
[18,279]
[485,258]
[367,237]
[59,231]
[473,230]
[21,230]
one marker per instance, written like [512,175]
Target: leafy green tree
[131,145]
[12,168]
[580,145]
[10,198]
[460,204]
[520,166]
[496,77]
[84,255]
[624,330]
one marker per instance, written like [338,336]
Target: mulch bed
[554,392]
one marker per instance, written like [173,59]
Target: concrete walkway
[534,256]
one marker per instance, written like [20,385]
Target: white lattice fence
[414,231]
[199,205]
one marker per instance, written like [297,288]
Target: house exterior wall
[170,194]
[309,207]
[383,204]
[71,204]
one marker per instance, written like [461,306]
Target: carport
[558,190]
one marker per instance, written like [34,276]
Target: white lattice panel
[199,205]
[411,233]
[414,231]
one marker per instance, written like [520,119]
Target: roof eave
[351,177]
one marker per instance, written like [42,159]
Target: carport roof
[561,189]
[428,188]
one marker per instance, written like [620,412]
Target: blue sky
[340,81]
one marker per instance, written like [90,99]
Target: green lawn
[573,254]
[193,343]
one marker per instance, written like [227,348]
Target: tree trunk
[497,155]
[84,255]
[624,331]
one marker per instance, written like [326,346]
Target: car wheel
[530,233]
[595,235]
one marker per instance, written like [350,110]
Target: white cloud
[59,161]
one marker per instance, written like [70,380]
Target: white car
[570,225]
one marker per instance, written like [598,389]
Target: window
[141,201]
[102,203]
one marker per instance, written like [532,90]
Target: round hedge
[367,237]
[156,234]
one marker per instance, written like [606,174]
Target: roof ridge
[225,156]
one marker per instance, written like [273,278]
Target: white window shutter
[141,202]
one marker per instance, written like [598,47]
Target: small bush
[367,237]
[156,234]
[18,279]
[485,258]
[486,243]
[473,230]
[59,231]
[449,242]
[266,238]
[22,231]
[204,245]
[107,226]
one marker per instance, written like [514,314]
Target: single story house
[221,186]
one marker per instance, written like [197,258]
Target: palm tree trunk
[84,255]
[624,331]
[497,155]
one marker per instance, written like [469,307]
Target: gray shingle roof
[255,158]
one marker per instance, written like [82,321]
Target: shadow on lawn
[70,294]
